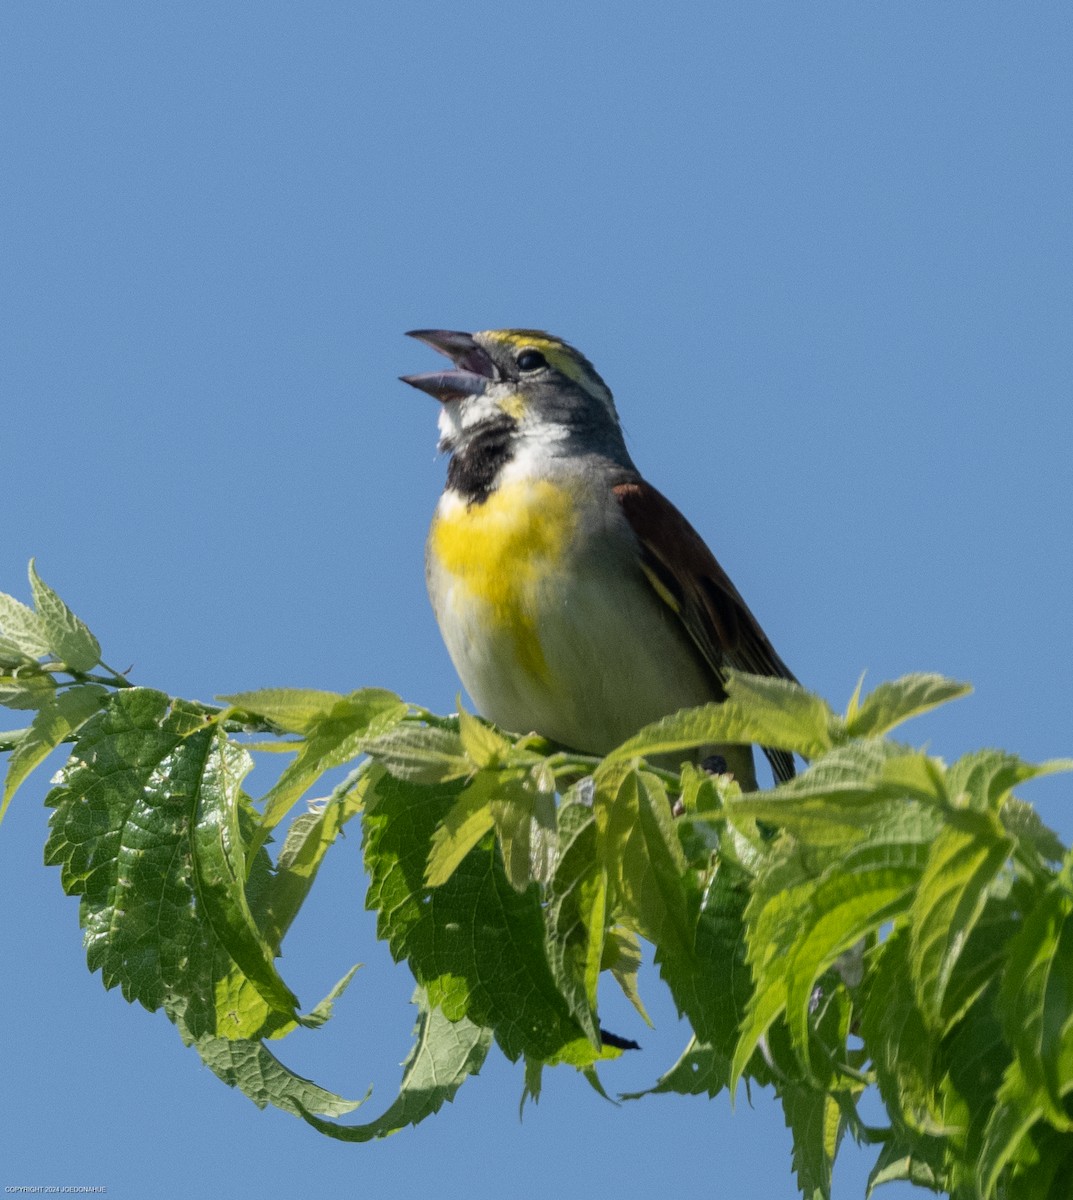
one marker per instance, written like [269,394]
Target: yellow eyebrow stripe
[559,356]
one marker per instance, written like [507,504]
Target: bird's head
[523,381]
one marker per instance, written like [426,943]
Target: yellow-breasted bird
[574,599]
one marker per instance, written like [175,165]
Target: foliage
[882,920]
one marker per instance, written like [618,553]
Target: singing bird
[574,599]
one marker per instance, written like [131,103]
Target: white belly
[562,635]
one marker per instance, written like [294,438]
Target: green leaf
[334,738]
[815,1121]
[964,861]
[420,755]
[296,710]
[11,653]
[576,916]
[249,1066]
[27,689]
[985,778]
[1023,824]
[755,718]
[219,862]
[787,715]
[308,840]
[10,739]
[892,703]
[902,1047]
[322,1012]
[848,795]
[622,957]
[445,1053]
[485,747]
[524,815]
[637,845]
[474,943]
[123,832]
[69,639]
[984,956]
[1037,999]
[25,632]
[701,1070]
[977,1059]
[1017,1107]
[904,1161]
[850,901]
[59,716]
[466,823]
[711,982]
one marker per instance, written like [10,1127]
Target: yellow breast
[501,553]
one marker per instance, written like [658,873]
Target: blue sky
[822,255]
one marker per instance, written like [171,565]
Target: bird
[574,599]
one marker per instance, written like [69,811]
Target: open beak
[474,367]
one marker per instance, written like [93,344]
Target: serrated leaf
[219,862]
[984,778]
[904,1162]
[984,955]
[1023,824]
[845,795]
[26,690]
[466,823]
[892,703]
[69,638]
[725,723]
[977,1058]
[902,1047]
[1037,999]
[1044,1166]
[850,901]
[637,846]
[322,1012]
[576,916]
[295,709]
[249,1066]
[484,746]
[122,833]
[791,717]
[964,862]
[10,738]
[1017,1107]
[524,816]
[24,630]
[622,957]
[474,943]
[331,740]
[420,755]
[11,653]
[711,983]
[869,771]
[62,713]
[700,1070]
[782,890]
[445,1053]
[308,840]
[815,1122]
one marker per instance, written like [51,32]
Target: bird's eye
[531,360]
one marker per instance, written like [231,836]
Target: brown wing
[684,572]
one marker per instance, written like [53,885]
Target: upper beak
[475,367]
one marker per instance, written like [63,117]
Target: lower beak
[475,368]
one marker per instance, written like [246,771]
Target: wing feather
[686,576]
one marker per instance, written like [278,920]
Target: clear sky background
[821,252]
